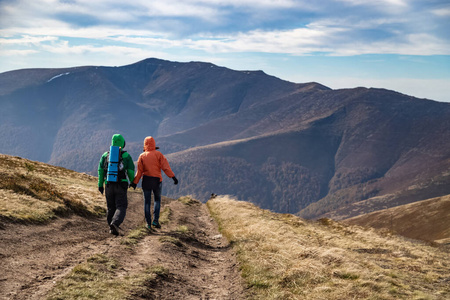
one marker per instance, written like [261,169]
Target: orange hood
[149,144]
[151,162]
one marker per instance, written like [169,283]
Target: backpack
[113,165]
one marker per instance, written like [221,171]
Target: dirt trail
[202,266]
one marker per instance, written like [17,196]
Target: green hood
[118,140]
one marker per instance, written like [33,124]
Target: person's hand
[100,189]
[175,180]
[133,185]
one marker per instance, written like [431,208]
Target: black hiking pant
[117,202]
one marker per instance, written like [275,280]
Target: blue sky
[403,45]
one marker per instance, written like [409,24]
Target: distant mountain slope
[282,171]
[61,111]
[425,220]
[359,149]
[285,146]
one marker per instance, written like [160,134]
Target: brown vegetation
[425,220]
[34,192]
[285,257]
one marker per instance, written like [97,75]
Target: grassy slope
[285,257]
[36,192]
[426,220]
[281,256]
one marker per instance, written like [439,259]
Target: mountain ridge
[301,147]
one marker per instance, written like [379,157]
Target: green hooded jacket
[128,164]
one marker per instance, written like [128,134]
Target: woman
[150,164]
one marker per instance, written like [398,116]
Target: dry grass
[136,235]
[188,200]
[165,215]
[284,257]
[36,192]
[171,240]
[182,229]
[98,278]
[425,220]
[93,279]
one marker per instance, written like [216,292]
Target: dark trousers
[156,204]
[116,202]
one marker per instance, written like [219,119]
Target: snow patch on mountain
[54,77]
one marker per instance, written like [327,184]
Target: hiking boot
[156,225]
[114,229]
[149,227]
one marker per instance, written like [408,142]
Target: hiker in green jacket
[116,192]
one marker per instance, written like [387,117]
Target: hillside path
[33,258]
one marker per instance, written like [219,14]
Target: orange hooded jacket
[151,162]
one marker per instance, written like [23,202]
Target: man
[116,192]
[150,164]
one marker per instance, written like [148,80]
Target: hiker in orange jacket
[150,164]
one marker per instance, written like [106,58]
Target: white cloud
[63,47]
[307,41]
[152,41]
[17,52]
[442,12]
[338,35]
[379,3]
[27,12]
[413,44]
[301,41]
[27,40]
